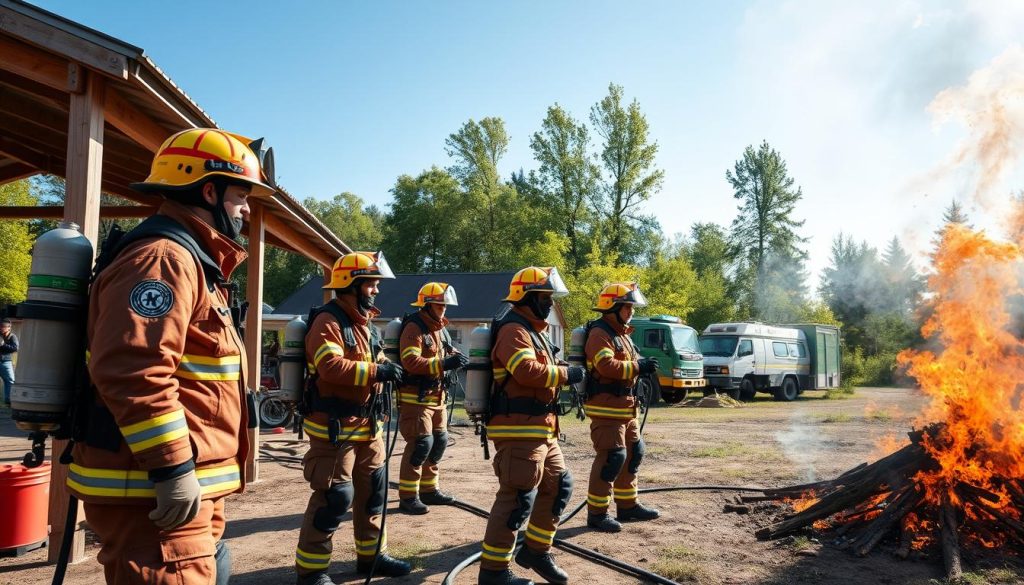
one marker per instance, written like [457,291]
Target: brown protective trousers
[416,421]
[610,434]
[326,465]
[135,552]
[522,466]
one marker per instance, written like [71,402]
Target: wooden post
[328,293]
[254,328]
[81,205]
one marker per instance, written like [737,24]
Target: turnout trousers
[619,451]
[423,428]
[533,489]
[134,551]
[350,475]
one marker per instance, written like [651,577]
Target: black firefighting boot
[543,564]
[387,566]
[412,506]
[318,578]
[637,512]
[603,523]
[437,498]
[504,577]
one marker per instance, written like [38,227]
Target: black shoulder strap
[343,321]
[604,326]
[539,343]
[158,226]
[446,338]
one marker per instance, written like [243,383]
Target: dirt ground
[765,443]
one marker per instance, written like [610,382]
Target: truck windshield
[718,345]
[683,339]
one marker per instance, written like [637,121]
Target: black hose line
[70,522]
[390,440]
[586,553]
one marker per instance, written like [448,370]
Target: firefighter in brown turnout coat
[613,365]
[534,484]
[428,359]
[345,462]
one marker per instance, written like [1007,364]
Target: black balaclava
[363,302]
[540,309]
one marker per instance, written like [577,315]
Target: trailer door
[821,361]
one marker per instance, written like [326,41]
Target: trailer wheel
[274,413]
[788,391]
[747,390]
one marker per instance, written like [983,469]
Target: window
[780,349]
[653,337]
[718,345]
[797,350]
[746,348]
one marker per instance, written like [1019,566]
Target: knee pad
[564,493]
[638,455]
[440,444]
[222,558]
[613,464]
[519,515]
[339,497]
[378,492]
[420,449]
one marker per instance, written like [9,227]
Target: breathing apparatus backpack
[425,383]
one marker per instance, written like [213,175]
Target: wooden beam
[328,293]
[254,328]
[14,171]
[136,125]
[284,203]
[55,97]
[64,43]
[299,243]
[57,211]
[33,63]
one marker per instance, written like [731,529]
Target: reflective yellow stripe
[598,501]
[602,354]
[429,482]
[539,535]
[409,486]
[435,366]
[118,483]
[414,398]
[201,367]
[609,412]
[409,351]
[369,547]
[155,431]
[361,433]
[520,432]
[328,348]
[496,553]
[625,494]
[309,560]
[552,377]
[517,358]
[627,370]
[499,374]
[362,373]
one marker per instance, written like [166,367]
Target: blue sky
[353,94]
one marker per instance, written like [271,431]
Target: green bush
[872,370]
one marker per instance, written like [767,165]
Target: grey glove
[576,374]
[177,501]
[454,362]
[389,373]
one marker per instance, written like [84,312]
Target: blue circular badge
[151,298]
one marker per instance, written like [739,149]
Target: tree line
[583,208]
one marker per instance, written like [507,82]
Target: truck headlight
[724,370]
[677,372]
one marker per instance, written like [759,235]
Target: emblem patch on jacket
[151,298]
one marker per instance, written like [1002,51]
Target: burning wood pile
[960,481]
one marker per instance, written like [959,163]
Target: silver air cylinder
[577,354]
[392,334]
[478,373]
[53,322]
[292,360]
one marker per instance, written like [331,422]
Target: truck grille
[691,372]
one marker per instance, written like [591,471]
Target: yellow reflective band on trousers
[520,432]
[414,398]
[496,553]
[118,483]
[361,433]
[328,348]
[201,367]
[609,412]
[312,561]
[406,485]
[432,482]
[517,359]
[625,493]
[369,547]
[540,535]
[155,431]
[598,501]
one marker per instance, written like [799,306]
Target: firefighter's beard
[230,227]
[366,302]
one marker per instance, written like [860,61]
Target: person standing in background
[8,347]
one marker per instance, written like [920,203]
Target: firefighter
[614,366]
[429,361]
[166,437]
[345,462]
[534,484]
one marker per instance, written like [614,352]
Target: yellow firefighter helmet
[439,293]
[356,265]
[532,279]
[619,292]
[193,155]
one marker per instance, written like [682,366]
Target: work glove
[389,373]
[576,374]
[648,365]
[454,362]
[177,501]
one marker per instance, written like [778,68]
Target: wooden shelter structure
[93,109]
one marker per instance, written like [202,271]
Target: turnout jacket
[168,369]
[611,366]
[421,357]
[524,371]
[345,373]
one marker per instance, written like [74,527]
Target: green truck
[681,365]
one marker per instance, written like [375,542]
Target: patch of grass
[880,415]
[999,576]
[839,394]
[678,551]
[801,543]
[723,450]
[414,552]
[837,417]
[680,570]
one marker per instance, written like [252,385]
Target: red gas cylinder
[24,502]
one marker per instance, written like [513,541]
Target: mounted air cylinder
[578,356]
[53,316]
[478,372]
[292,361]
[392,335]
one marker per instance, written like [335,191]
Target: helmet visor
[558,288]
[449,297]
[634,296]
[381,266]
